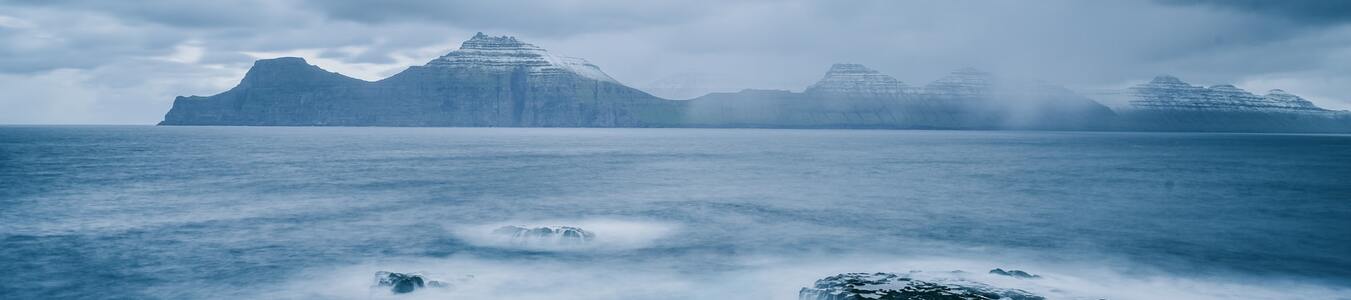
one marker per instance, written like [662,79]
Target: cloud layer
[73,61]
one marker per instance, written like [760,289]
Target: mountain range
[499,81]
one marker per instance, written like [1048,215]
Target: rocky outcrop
[400,283]
[906,286]
[563,235]
[489,81]
[1014,273]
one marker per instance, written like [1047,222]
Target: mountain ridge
[493,81]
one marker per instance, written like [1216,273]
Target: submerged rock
[1014,273]
[546,234]
[400,283]
[908,286]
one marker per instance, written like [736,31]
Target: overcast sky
[122,62]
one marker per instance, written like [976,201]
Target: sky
[123,62]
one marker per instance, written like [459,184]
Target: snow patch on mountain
[1170,93]
[855,80]
[506,54]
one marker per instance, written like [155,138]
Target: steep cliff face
[1168,103]
[489,81]
[500,81]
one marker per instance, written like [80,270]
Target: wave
[610,234]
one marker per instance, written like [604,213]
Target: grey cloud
[1302,11]
[78,40]
[750,44]
[567,17]
[191,14]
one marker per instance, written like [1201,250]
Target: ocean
[145,212]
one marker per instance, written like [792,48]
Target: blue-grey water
[140,212]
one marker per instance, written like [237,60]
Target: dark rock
[401,283]
[1014,273]
[891,286]
[551,234]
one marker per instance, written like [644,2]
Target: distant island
[503,82]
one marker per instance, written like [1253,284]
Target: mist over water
[303,213]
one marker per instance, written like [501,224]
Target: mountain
[501,81]
[848,96]
[855,96]
[1168,103]
[1168,93]
[489,81]
[689,85]
[857,81]
[281,91]
[962,84]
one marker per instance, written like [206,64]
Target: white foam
[612,234]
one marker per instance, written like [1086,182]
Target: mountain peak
[845,68]
[1166,79]
[1170,93]
[1278,92]
[970,72]
[969,75]
[1291,101]
[508,54]
[485,42]
[964,83]
[856,81]
[282,60]
[291,71]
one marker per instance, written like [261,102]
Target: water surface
[277,212]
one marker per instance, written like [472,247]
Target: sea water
[141,212]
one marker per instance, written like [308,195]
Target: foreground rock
[401,283]
[909,286]
[547,234]
[1014,273]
